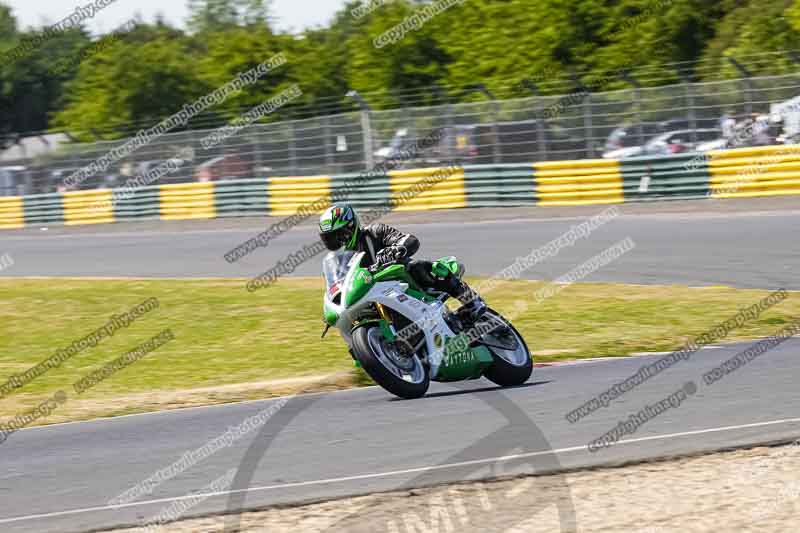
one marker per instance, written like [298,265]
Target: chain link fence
[524,130]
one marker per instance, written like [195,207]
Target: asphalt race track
[60,478]
[686,243]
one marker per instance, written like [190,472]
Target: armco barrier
[43,209]
[591,181]
[185,201]
[362,190]
[756,171]
[241,197]
[140,204]
[87,207]
[499,185]
[12,213]
[678,177]
[761,171]
[447,193]
[288,194]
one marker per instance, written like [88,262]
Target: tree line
[106,87]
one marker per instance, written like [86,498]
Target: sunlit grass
[226,336]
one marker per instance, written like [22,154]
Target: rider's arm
[399,244]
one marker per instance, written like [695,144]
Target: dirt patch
[756,490]
[554,352]
[87,409]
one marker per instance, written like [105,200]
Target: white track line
[361,477]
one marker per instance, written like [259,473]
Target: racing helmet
[338,226]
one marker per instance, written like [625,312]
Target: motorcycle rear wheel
[512,365]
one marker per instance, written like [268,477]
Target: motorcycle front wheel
[405,377]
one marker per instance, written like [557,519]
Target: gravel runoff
[753,490]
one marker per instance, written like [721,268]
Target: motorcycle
[404,337]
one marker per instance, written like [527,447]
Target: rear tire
[365,346]
[502,371]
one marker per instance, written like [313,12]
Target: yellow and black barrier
[288,195]
[756,171]
[12,212]
[429,188]
[745,172]
[590,181]
[185,201]
[87,207]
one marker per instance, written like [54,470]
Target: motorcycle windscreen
[335,266]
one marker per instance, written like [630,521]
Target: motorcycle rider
[339,227]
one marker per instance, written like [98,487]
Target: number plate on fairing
[462,362]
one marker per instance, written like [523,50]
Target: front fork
[389,332]
[387,327]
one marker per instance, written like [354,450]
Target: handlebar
[377,267]
[374,269]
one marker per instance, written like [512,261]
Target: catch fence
[491,132]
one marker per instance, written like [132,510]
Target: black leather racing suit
[380,240]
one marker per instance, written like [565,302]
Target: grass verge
[231,345]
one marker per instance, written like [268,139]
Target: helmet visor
[333,240]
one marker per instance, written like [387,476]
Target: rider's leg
[474,306]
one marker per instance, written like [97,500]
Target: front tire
[407,378]
[513,365]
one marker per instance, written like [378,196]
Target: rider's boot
[473,307]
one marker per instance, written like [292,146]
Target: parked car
[394,147]
[623,153]
[457,143]
[627,137]
[716,144]
[511,141]
[228,167]
[677,142]
[634,136]
[630,140]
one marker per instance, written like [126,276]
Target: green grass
[225,336]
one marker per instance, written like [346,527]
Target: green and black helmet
[338,226]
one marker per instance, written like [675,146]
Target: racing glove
[390,254]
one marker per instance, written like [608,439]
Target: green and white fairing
[350,298]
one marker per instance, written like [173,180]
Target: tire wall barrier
[744,172]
